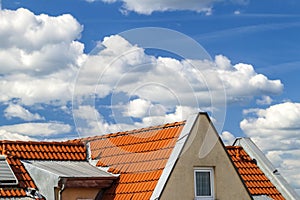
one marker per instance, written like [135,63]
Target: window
[204,183]
[7,176]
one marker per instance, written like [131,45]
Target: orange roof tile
[139,156]
[23,150]
[255,180]
[44,150]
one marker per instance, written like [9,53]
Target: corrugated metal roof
[7,177]
[70,168]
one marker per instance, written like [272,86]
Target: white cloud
[181,113]
[148,6]
[37,43]
[15,110]
[89,121]
[39,89]
[280,121]
[237,12]
[40,63]
[38,129]
[227,137]
[164,89]
[265,100]
[5,135]
[138,108]
[39,56]
[276,130]
[136,73]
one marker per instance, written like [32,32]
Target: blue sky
[49,49]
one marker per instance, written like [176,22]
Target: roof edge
[190,122]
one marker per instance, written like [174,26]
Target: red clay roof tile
[255,180]
[139,156]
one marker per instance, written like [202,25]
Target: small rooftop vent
[7,176]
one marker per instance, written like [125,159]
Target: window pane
[203,184]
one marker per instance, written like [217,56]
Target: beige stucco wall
[79,193]
[227,183]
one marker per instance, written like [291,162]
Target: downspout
[62,188]
[100,194]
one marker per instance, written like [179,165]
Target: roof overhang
[86,182]
[66,174]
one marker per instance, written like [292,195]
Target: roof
[256,181]
[29,150]
[139,156]
[69,169]
[267,168]
[16,151]
[143,160]
[67,174]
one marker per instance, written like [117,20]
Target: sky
[78,68]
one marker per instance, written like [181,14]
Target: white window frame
[211,172]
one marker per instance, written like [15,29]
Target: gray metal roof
[7,176]
[261,197]
[69,168]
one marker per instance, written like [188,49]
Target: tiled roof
[20,150]
[139,156]
[43,150]
[255,180]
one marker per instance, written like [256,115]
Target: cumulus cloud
[181,113]
[124,67]
[276,131]
[15,110]
[38,129]
[149,6]
[40,67]
[37,43]
[90,121]
[138,108]
[227,137]
[39,56]
[280,121]
[6,135]
[156,89]
[265,100]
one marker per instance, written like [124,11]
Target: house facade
[181,160]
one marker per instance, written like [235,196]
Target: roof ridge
[133,131]
[234,147]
